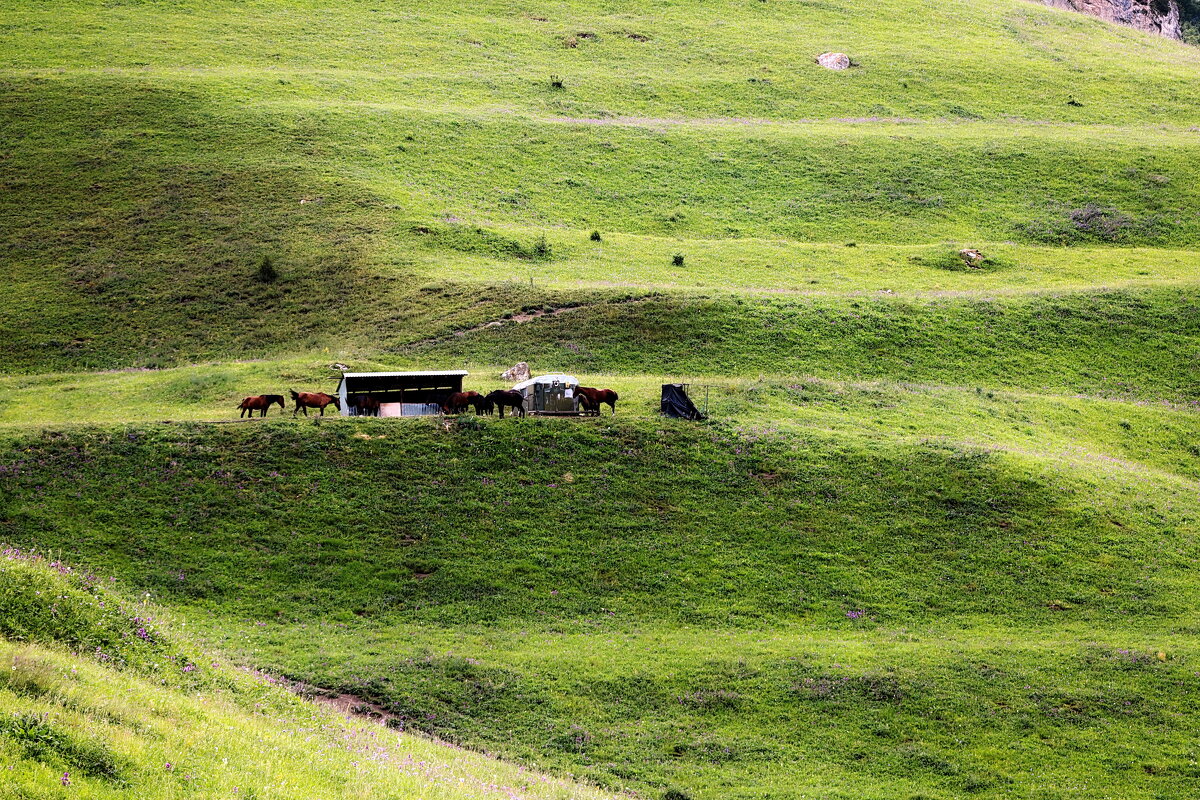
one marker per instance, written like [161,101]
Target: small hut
[550,394]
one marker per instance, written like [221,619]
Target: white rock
[519,372]
[834,60]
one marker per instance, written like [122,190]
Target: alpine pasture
[937,538]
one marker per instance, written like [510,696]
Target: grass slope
[143,718]
[651,605]
[940,542]
[152,154]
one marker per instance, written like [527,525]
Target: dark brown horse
[510,398]
[307,400]
[459,401]
[261,403]
[590,399]
[365,405]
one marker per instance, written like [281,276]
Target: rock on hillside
[1155,16]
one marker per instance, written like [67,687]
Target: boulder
[971,257]
[834,60]
[519,372]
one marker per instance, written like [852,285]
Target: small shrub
[266,270]
[677,260]
[556,82]
[595,237]
[676,794]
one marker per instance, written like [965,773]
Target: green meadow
[937,538]
[144,714]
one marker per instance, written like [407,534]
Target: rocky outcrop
[520,372]
[1154,16]
[837,61]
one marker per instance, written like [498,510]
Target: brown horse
[365,406]
[458,402]
[307,400]
[261,403]
[509,398]
[590,399]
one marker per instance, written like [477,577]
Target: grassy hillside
[413,171]
[653,605]
[146,718]
[938,540]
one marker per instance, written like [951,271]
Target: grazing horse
[482,404]
[307,400]
[509,398]
[458,402]
[365,406]
[261,403]
[590,399]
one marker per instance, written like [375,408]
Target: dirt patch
[348,705]
[354,707]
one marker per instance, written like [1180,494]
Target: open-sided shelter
[401,394]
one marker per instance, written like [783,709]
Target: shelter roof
[555,377]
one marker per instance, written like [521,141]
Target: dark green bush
[266,270]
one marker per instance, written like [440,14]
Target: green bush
[266,270]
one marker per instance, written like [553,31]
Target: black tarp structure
[676,403]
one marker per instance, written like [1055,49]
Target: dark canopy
[400,387]
[676,403]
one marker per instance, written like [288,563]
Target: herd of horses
[303,400]
[590,400]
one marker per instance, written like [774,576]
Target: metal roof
[556,377]
[419,374]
